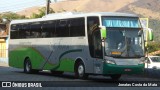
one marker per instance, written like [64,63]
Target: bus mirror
[150,35]
[103,32]
[140,33]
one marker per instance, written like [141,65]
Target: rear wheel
[27,66]
[80,71]
[115,77]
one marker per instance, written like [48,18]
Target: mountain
[144,8]
[82,5]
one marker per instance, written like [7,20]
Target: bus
[100,43]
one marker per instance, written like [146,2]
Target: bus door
[95,44]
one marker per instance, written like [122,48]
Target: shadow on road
[70,76]
[154,73]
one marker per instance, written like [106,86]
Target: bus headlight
[110,62]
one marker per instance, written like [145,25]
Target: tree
[11,16]
[41,13]
[153,46]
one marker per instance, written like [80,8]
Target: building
[4,42]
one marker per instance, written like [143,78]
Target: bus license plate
[127,70]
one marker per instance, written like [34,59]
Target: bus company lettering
[34,85]
[124,84]
[59,47]
[137,84]
[14,84]
[152,84]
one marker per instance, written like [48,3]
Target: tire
[80,71]
[57,72]
[154,68]
[115,76]
[27,66]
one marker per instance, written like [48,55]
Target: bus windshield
[124,40]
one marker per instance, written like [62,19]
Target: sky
[18,5]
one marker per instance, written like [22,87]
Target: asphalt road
[14,74]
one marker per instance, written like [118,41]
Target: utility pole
[47,6]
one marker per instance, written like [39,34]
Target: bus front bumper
[122,69]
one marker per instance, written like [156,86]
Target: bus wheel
[57,72]
[115,77]
[27,66]
[80,71]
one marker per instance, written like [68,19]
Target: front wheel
[154,68]
[80,71]
[115,77]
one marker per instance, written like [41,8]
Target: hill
[147,8]
[144,8]
[82,5]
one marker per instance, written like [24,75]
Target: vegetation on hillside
[11,16]
[41,13]
[153,46]
[155,25]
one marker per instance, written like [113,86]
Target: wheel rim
[28,66]
[80,70]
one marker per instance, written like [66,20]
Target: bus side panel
[37,59]
[14,59]
[67,60]
[18,56]
[65,52]
[66,65]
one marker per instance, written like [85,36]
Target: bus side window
[62,28]
[14,31]
[49,29]
[77,27]
[36,30]
[26,30]
[21,33]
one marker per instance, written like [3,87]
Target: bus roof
[66,15]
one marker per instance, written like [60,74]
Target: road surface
[14,74]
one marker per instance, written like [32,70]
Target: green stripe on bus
[18,55]
[66,64]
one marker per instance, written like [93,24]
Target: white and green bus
[109,44]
